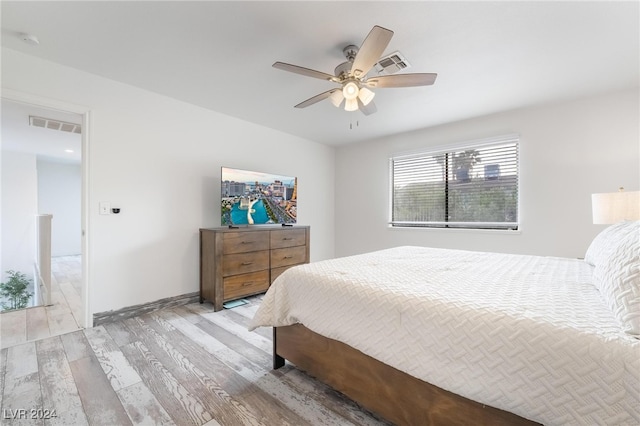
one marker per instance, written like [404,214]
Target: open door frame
[39,101]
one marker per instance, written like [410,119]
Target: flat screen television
[257,198]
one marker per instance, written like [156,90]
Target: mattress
[526,334]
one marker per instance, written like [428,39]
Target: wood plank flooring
[185,365]
[63,316]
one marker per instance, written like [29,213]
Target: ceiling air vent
[391,64]
[48,123]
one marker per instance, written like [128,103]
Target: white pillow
[606,241]
[617,276]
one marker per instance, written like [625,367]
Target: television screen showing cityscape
[256,198]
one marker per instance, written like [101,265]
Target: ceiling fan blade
[402,80]
[304,71]
[372,48]
[367,109]
[316,98]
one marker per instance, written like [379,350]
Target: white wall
[568,151]
[159,160]
[59,194]
[19,208]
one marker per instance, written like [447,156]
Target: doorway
[44,146]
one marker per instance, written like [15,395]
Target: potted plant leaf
[14,292]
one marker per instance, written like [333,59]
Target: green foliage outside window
[450,189]
[479,201]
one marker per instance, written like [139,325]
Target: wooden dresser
[240,262]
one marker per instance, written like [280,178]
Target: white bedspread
[525,334]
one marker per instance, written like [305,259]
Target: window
[472,186]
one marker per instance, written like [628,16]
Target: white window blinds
[474,186]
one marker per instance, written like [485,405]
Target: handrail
[42,264]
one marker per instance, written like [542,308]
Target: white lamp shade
[614,207]
[336,98]
[366,95]
[350,90]
[351,104]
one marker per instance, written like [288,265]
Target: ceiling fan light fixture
[336,98]
[351,76]
[365,95]
[351,104]
[350,90]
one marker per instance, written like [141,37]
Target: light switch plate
[105,207]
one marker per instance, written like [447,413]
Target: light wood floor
[185,366]
[63,316]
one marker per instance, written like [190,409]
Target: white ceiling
[489,56]
[54,145]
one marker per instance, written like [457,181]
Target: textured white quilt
[525,334]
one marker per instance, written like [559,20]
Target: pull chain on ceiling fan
[351,75]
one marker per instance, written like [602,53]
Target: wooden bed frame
[384,390]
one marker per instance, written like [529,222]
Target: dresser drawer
[244,242]
[288,256]
[241,263]
[276,272]
[242,285]
[291,238]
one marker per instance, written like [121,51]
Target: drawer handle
[288,257]
[246,242]
[248,283]
[287,239]
[246,263]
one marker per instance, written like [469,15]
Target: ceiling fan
[352,75]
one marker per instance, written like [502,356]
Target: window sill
[467,230]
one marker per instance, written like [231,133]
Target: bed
[436,336]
